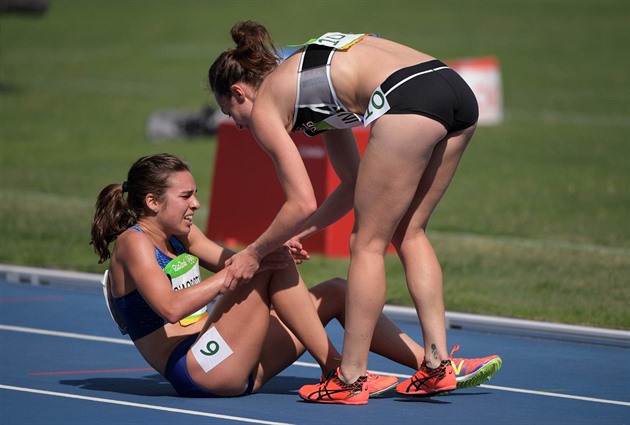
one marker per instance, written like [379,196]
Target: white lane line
[313,365]
[140,405]
[65,334]
[548,394]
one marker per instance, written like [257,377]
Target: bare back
[353,75]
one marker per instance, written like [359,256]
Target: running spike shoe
[470,373]
[378,384]
[428,382]
[334,390]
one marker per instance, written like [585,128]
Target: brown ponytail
[250,61]
[111,218]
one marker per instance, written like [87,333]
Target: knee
[407,240]
[336,288]
[364,247]
[331,295]
[232,389]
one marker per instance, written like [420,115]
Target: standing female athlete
[421,115]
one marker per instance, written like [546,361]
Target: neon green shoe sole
[480,374]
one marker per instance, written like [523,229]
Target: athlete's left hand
[297,251]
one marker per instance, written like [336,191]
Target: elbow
[171,317]
[351,185]
[307,208]
[172,313]
[302,206]
[346,189]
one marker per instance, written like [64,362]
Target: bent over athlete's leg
[423,271]
[399,150]
[422,268]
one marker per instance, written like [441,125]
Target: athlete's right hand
[241,267]
[278,259]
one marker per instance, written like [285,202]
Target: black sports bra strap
[316,55]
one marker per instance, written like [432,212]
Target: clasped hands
[242,266]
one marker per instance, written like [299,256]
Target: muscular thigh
[241,319]
[397,154]
[434,182]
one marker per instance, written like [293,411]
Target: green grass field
[535,225]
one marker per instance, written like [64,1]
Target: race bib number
[183,272]
[210,349]
[377,107]
[337,40]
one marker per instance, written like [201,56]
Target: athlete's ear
[237,92]
[152,202]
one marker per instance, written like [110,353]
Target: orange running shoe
[334,390]
[428,382]
[470,373]
[378,384]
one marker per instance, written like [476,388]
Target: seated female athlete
[156,295]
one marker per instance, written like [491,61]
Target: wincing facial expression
[179,204]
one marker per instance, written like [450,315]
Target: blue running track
[64,362]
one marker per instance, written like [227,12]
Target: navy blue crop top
[131,312]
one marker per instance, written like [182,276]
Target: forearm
[189,300]
[333,209]
[344,158]
[290,220]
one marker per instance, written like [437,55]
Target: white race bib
[337,40]
[377,107]
[211,349]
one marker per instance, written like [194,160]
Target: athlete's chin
[184,229]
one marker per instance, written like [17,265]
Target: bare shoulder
[276,95]
[132,250]
[282,77]
[132,246]
[131,238]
